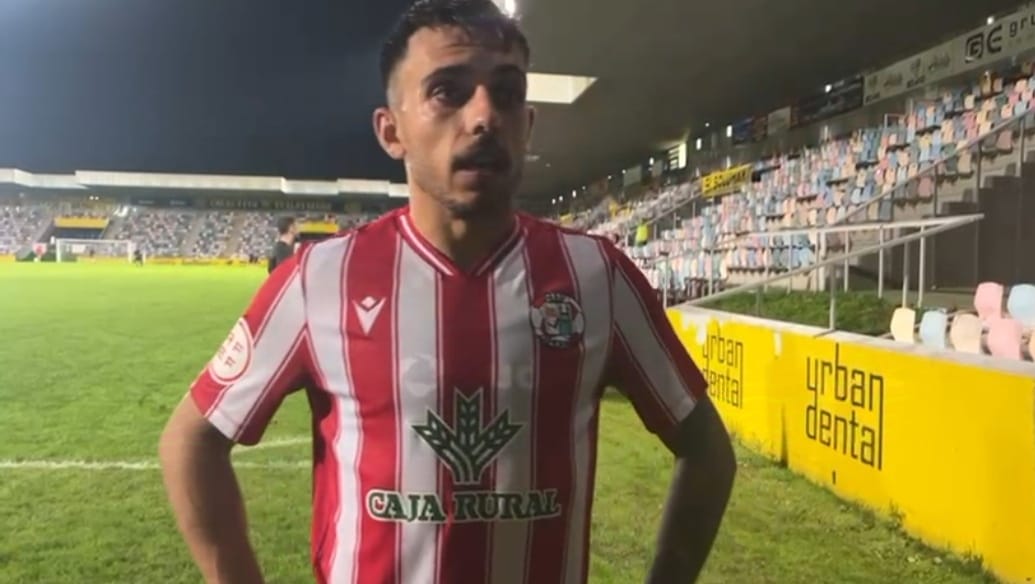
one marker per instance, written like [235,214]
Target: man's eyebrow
[447,71]
[504,69]
[508,69]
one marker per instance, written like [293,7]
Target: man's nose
[480,112]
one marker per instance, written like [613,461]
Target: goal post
[70,250]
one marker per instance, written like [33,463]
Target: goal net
[71,250]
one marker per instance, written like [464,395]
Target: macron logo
[367,311]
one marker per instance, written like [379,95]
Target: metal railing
[928,228]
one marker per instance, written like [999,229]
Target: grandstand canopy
[262,87]
[665,68]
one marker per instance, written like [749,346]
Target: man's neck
[287,239]
[465,241]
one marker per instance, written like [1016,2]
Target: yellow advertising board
[80,222]
[725,181]
[948,447]
[327,227]
[6,258]
[733,357]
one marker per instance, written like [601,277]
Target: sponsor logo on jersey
[558,320]
[467,449]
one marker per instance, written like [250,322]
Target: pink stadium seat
[988,301]
[965,333]
[1004,338]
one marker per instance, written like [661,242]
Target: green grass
[97,356]
[857,312]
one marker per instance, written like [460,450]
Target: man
[455,353]
[284,248]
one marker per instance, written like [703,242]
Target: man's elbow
[703,441]
[726,458]
[188,434]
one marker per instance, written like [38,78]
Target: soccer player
[454,354]
[287,234]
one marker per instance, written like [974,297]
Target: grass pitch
[95,357]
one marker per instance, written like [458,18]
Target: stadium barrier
[943,442]
[75,222]
[179,261]
[7,258]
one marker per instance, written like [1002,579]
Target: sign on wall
[1007,37]
[930,66]
[725,181]
[779,121]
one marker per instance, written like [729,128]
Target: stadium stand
[158,233]
[21,224]
[210,235]
[257,231]
[924,165]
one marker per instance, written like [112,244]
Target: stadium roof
[665,68]
[262,87]
[13,181]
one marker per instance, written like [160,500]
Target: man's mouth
[484,162]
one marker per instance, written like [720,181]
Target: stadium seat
[903,321]
[933,327]
[988,301]
[1004,338]
[965,334]
[1021,304]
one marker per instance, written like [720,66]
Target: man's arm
[697,496]
[206,499]
[652,368]
[264,357]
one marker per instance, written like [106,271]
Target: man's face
[458,117]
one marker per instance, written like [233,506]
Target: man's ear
[387,132]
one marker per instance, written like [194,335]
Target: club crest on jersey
[234,355]
[467,449]
[558,320]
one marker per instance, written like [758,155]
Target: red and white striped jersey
[455,411]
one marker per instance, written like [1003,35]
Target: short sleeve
[264,357]
[647,361]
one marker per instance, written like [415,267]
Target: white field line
[28,464]
[132,465]
[279,443]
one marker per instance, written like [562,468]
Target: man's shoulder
[537,227]
[382,227]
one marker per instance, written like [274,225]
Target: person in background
[287,229]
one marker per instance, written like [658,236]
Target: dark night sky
[210,86]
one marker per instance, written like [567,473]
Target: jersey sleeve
[647,361]
[264,357]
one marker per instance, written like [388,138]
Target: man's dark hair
[481,19]
[284,225]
